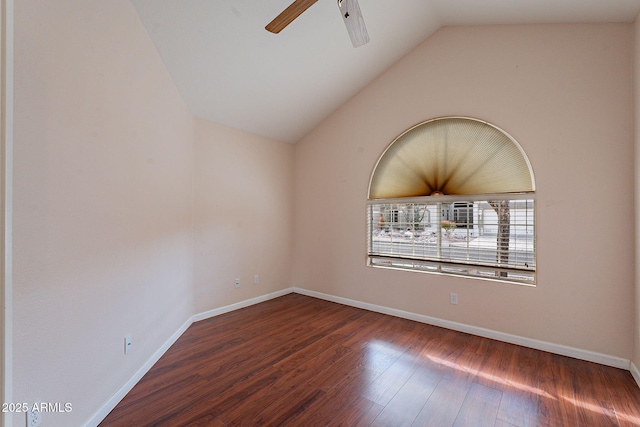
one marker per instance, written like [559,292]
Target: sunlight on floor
[493,378]
[379,351]
[599,410]
[380,355]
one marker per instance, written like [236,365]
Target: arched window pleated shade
[451,156]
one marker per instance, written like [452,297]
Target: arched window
[454,195]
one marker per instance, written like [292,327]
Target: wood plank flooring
[301,361]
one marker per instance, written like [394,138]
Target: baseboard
[241,304]
[101,413]
[603,359]
[126,388]
[635,372]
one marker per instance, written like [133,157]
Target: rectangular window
[491,237]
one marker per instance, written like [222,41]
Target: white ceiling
[230,70]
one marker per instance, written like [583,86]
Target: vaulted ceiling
[230,70]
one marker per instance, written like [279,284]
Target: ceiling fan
[349,9]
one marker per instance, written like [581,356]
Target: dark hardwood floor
[301,361]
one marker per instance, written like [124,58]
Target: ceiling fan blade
[288,15]
[352,17]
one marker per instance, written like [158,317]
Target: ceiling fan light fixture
[353,20]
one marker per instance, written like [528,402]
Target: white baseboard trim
[241,304]
[603,359]
[635,372]
[126,388]
[101,413]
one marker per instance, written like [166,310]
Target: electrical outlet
[454,298]
[127,344]
[237,284]
[34,416]
[256,279]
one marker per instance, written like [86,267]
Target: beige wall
[636,56]
[104,184]
[244,213]
[564,93]
[112,176]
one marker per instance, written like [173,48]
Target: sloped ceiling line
[232,71]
